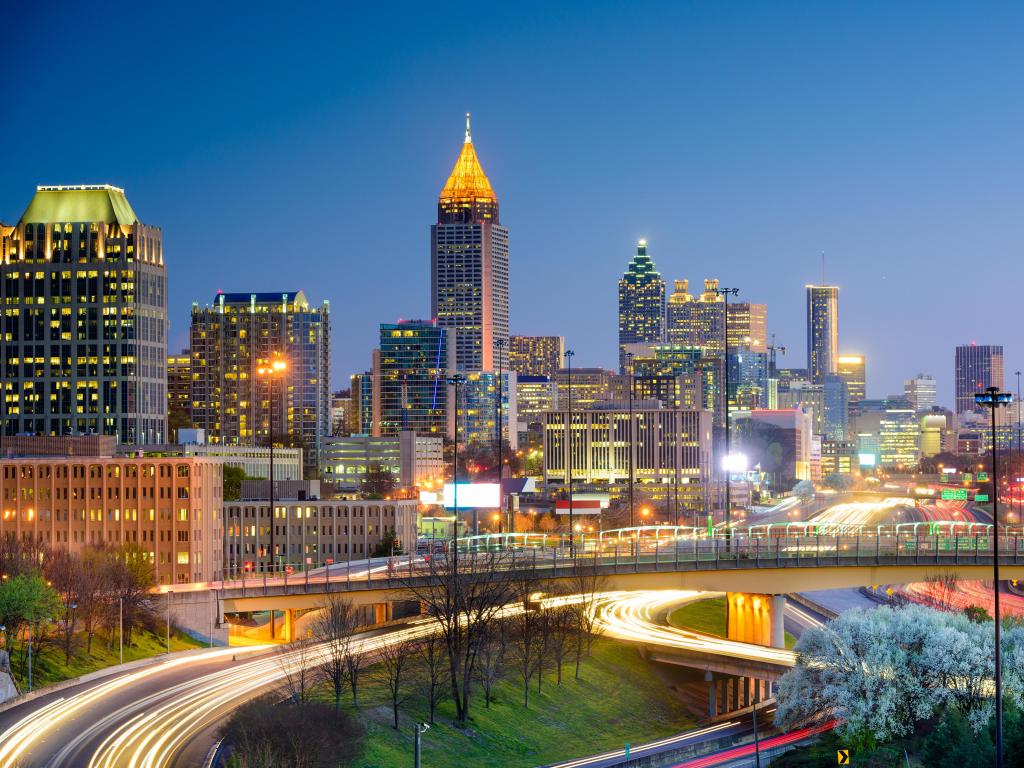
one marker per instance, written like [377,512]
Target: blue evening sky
[303,145]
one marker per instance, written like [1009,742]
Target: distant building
[748,326]
[341,413]
[978,367]
[822,331]
[536,355]
[84,290]
[899,438]
[921,392]
[779,442]
[170,507]
[477,412]
[361,413]
[253,460]
[666,441]
[641,303]
[838,457]
[853,369]
[802,393]
[179,391]
[469,266]
[934,427]
[535,396]
[411,459]
[239,334]
[700,321]
[312,532]
[677,330]
[410,379]
[835,398]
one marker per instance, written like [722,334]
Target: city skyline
[204,191]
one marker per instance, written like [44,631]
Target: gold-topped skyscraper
[469,266]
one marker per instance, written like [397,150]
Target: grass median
[707,616]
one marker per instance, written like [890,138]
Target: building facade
[700,321]
[477,411]
[921,392]
[641,303]
[977,367]
[748,326]
[179,392]
[667,444]
[412,459]
[822,331]
[312,533]
[410,379]
[84,293]
[469,266]
[234,338]
[853,369]
[536,355]
[899,438]
[168,507]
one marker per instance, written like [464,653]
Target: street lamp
[726,293]
[568,449]
[629,369]
[499,346]
[276,367]
[421,728]
[992,398]
[455,381]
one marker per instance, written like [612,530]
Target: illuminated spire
[467,186]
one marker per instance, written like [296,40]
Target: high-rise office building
[748,326]
[236,336]
[676,314]
[978,367]
[853,369]
[641,303]
[822,331]
[341,413]
[84,293]
[469,266]
[362,404]
[535,396]
[179,392]
[536,355]
[477,413]
[899,438]
[921,392]
[700,321]
[410,379]
[835,402]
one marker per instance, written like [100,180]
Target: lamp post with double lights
[629,448]
[992,398]
[499,346]
[276,367]
[568,450]
[726,293]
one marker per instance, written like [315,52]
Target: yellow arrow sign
[843,757]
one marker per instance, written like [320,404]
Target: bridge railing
[740,551]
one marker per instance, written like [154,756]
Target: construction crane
[773,370]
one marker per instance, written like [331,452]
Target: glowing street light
[274,368]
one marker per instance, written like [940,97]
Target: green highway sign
[944,478]
[983,477]
[954,494]
[981,497]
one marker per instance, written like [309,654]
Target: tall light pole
[499,345]
[455,381]
[169,593]
[992,398]
[629,449]
[726,293]
[568,450]
[274,368]
[677,428]
[1013,476]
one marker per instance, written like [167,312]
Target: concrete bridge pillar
[756,618]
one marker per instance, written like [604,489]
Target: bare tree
[296,659]
[562,621]
[92,588]
[333,628]
[435,679]
[586,585]
[396,665]
[465,594]
[942,590]
[491,657]
[64,569]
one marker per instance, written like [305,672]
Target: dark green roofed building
[84,338]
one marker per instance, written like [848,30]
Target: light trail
[631,616]
[640,750]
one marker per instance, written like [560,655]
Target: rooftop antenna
[822,261]
[468,139]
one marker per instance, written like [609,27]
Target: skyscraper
[83,288]
[179,392]
[920,391]
[676,314]
[641,303]
[236,336]
[410,379]
[977,368]
[748,326]
[822,331]
[469,266]
[536,355]
[853,368]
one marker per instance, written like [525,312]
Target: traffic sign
[954,494]
[983,477]
[843,757]
[981,497]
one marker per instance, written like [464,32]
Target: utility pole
[629,450]
[455,381]
[499,345]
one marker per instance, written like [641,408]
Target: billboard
[472,496]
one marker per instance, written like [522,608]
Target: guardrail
[651,555]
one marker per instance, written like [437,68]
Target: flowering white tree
[881,671]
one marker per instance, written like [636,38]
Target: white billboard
[472,496]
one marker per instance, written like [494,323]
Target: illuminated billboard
[472,496]
[867,459]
